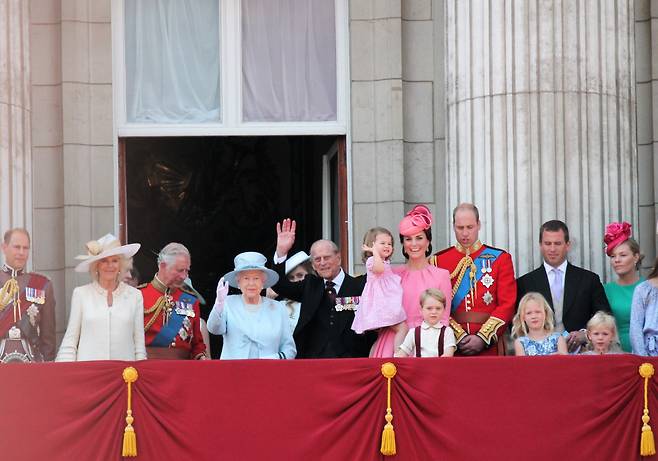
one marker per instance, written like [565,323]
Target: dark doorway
[220,196]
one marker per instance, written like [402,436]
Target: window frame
[230,84]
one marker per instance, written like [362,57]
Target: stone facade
[57,176]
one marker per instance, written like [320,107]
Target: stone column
[15,140]
[377,153]
[541,120]
[646,77]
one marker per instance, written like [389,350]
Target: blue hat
[251,261]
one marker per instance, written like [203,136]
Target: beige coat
[98,332]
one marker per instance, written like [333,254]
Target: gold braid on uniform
[157,307]
[465,264]
[164,302]
[9,292]
[457,328]
[488,331]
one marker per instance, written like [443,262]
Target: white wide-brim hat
[251,261]
[107,245]
[295,260]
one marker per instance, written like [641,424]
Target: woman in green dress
[625,259]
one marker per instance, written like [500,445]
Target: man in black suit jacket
[576,295]
[324,329]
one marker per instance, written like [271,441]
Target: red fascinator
[615,234]
[417,220]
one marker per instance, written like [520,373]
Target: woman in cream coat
[107,316]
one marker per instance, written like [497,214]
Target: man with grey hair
[171,312]
[328,300]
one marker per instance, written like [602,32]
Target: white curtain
[172,61]
[288,60]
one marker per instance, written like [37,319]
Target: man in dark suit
[575,294]
[329,300]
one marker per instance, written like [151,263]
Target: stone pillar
[646,77]
[377,160]
[541,120]
[15,139]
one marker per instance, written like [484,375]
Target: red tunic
[188,342]
[484,311]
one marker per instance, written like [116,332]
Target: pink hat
[417,220]
[615,234]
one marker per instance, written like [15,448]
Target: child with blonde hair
[533,328]
[431,338]
[380,304]
[602,334]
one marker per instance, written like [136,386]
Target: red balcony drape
[512,408]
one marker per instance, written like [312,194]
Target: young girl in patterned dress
[602,335]
[381,302]
[533,328]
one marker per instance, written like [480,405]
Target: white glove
[222,291]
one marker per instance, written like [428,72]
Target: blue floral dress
[546,346]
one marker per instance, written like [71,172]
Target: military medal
[347,303]
[185,309]
[14,333]
[184,331]
[487,298]
[487,280]
[35,296]
[32,312]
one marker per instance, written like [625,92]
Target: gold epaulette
[489,330]
[457,328]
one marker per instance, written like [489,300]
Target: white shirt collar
[427,326]
[338,280]
[563,267]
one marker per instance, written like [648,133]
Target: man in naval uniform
[27,305]
[483,286]
[171,313]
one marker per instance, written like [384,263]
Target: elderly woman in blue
[253,326]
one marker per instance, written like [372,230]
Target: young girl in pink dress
[416,276]
[381,301]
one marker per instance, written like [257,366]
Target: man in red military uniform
[483,286]
[27,305]
[171,314]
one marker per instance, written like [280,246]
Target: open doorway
[220,196]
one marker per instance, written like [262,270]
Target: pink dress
[380,304]
[414,282]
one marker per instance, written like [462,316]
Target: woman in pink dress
[416,275]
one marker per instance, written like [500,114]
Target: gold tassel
[8,293]
[647,444]
[129,437]
[388,435]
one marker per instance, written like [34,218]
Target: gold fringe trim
[388,435]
